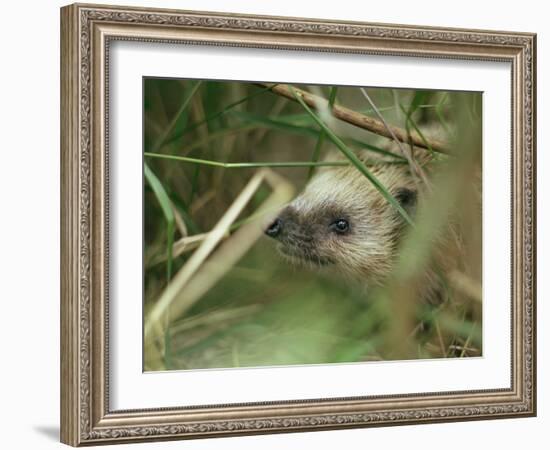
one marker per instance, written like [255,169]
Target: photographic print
[290,224]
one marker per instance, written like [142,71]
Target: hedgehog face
[307,236]
[341,221]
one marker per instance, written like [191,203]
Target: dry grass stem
[213,317]
[180,224]
[196,277]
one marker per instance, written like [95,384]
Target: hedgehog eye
[340,226]
[406,197]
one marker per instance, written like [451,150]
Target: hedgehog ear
[407,199]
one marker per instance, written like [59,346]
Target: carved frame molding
[86,32]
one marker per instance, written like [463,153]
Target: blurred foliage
[263,311]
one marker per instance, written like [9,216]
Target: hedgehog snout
[275,228]
[287,227]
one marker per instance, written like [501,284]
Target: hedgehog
[341,222]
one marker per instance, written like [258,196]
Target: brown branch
[360,120]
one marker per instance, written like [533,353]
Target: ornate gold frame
[86,31]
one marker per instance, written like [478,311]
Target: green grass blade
[183,210]
[218,114]
[300,128]
[321,139]
[418,100]
[439,113]
[274,123]
[380,151]
[245,165]
[355,160]
[170,128]
[166,206]
[410,122]
[220,134]
[254,122]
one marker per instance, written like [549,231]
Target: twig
[359,120]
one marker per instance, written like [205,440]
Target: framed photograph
[276,224]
